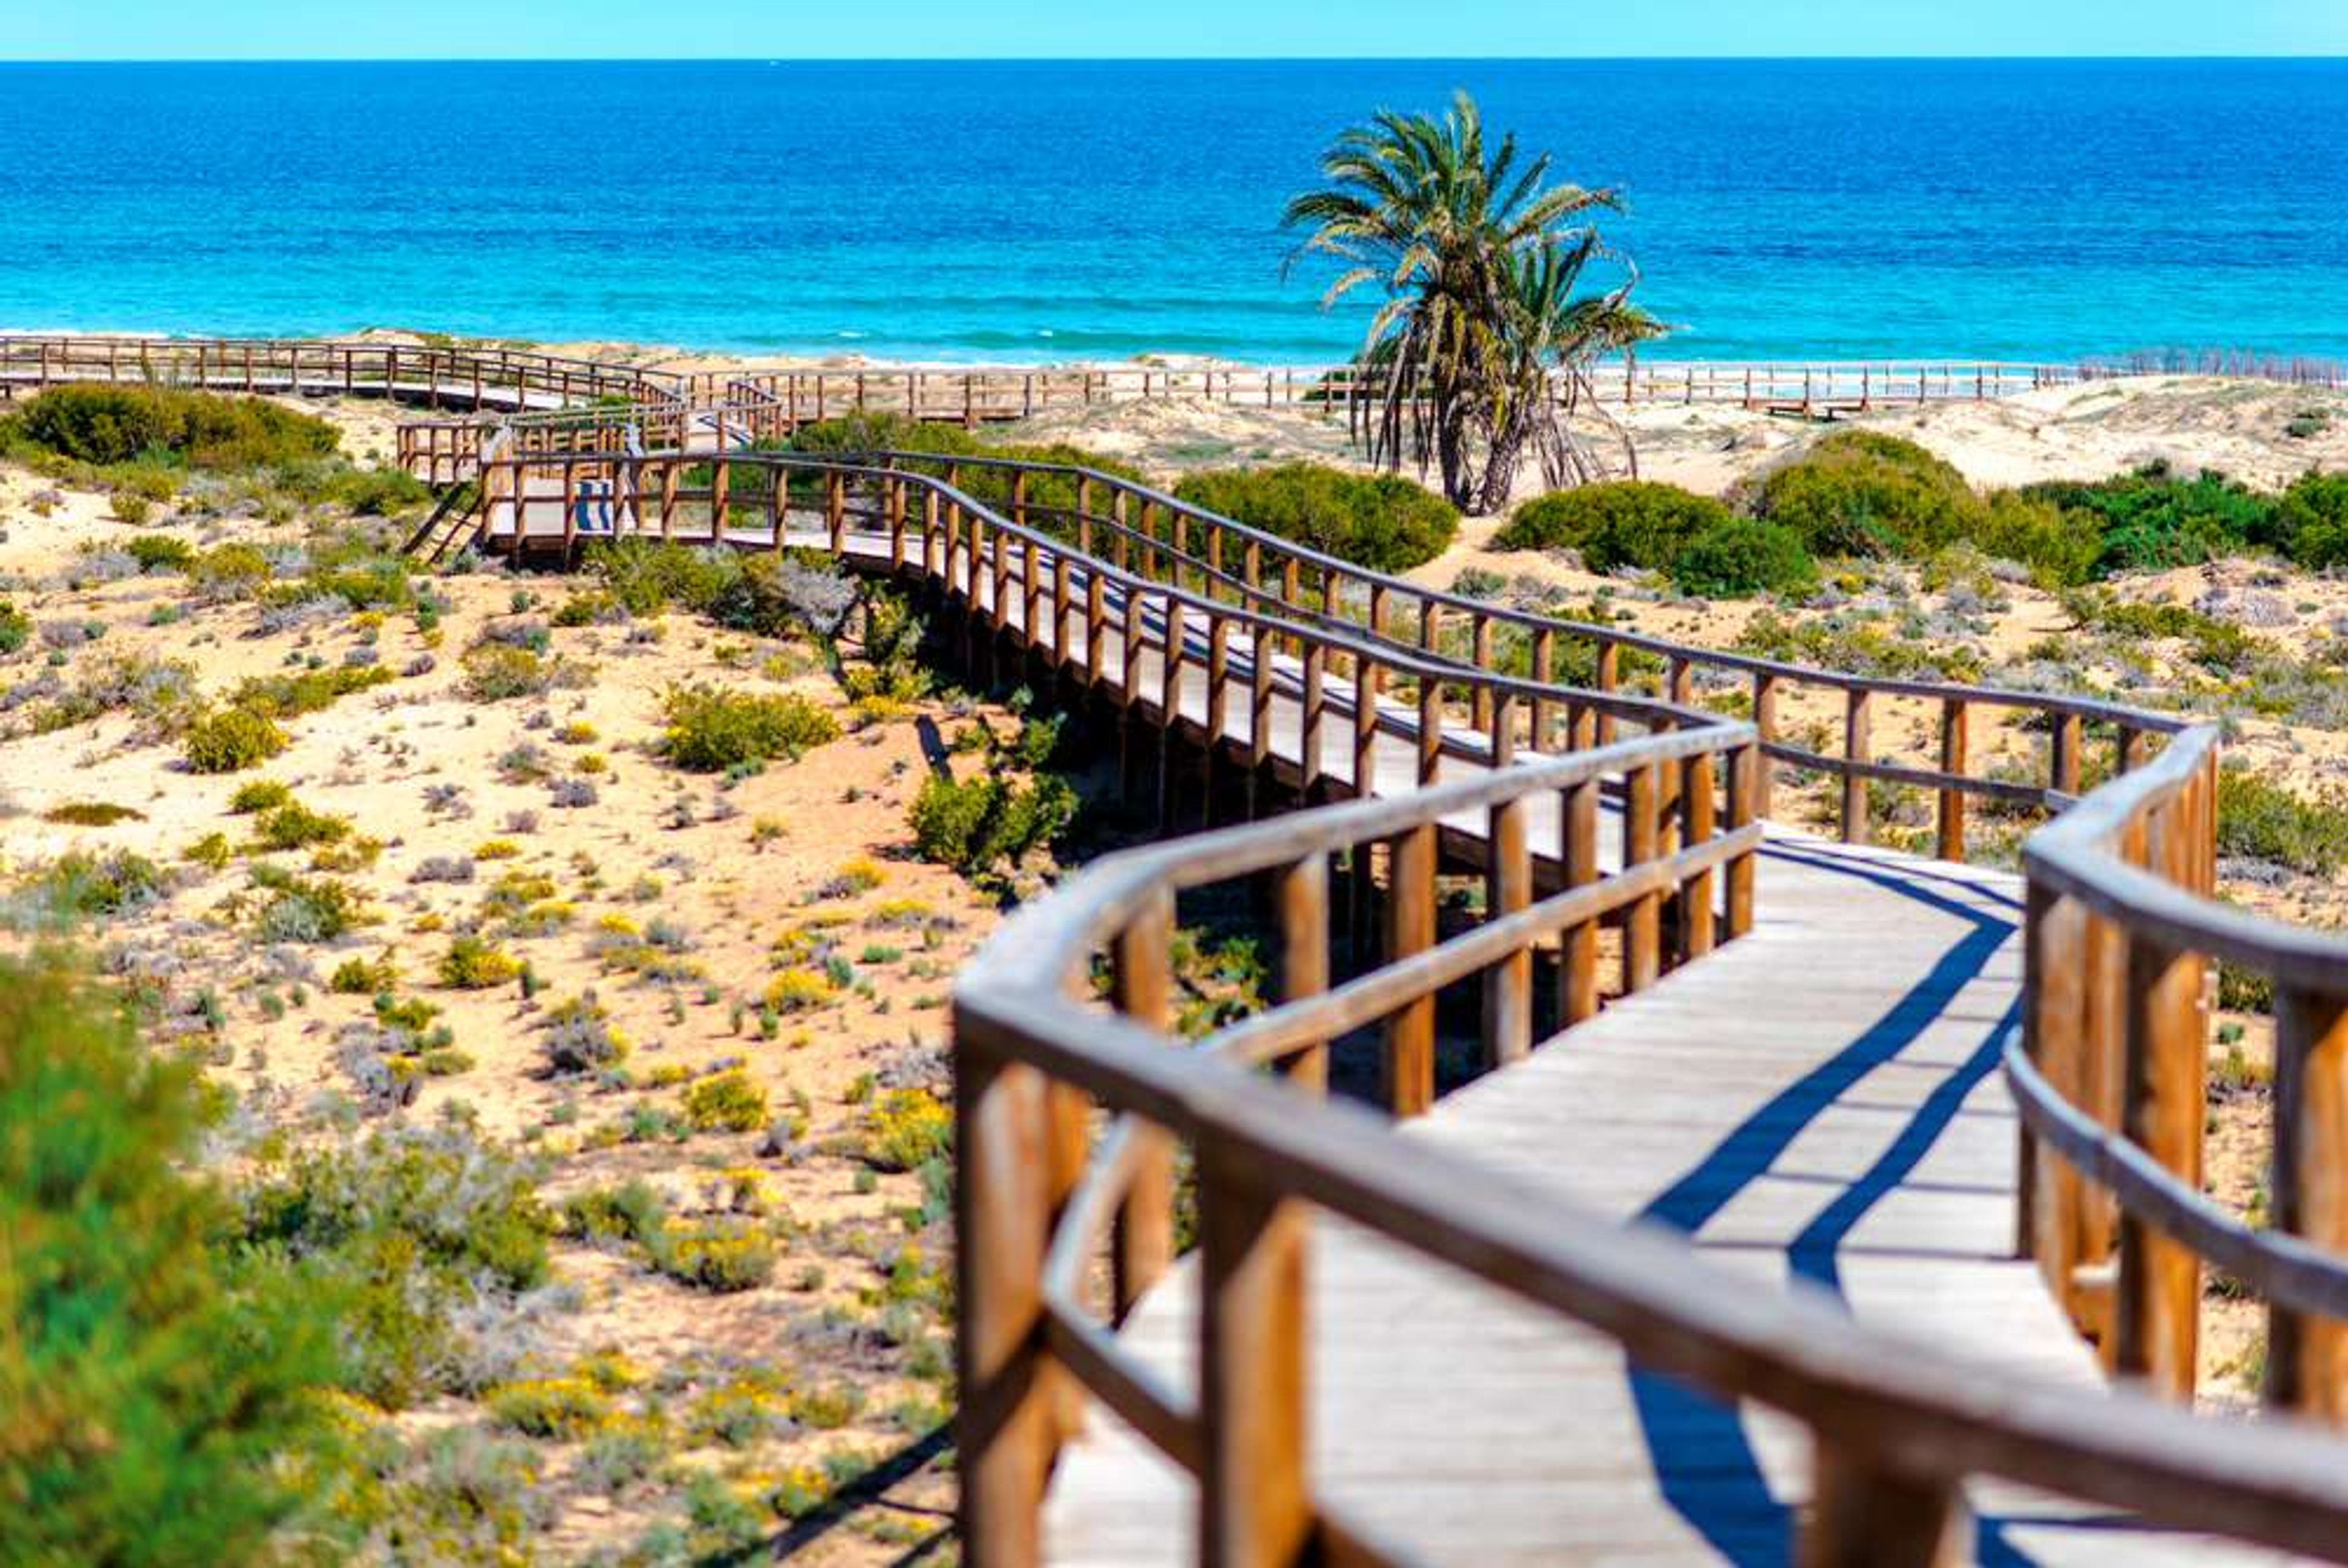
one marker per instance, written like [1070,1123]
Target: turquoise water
[1061,210]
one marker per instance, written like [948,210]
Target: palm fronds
[1478,257]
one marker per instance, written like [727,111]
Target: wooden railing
[2110,1070]
[1184,544]
[432,374]
[1011,573]
[1067,1121]
[1293,580]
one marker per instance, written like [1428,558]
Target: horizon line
[753,59]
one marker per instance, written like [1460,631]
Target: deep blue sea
[1065,210]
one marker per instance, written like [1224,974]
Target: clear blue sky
[409,29]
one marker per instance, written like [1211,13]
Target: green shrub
[856,434]
[2216,645]
[92,814]
[229,739]
[364,977]
[161,552]
[2311,520]
[906,1130]
[1854,644]
[721,1255]
[2059,550]
[633,1211]
[2152,519]
[306,909]
[1864,493]
[116,882]
[1383,522]
[412,1234]
[15,628]
[228,571]
[1630,523]
[1737,557]
[2264,821]
[982,824]
[380,492]
[155,1394]
[647,576]
[259,794]
[727,1101]
[118,424]
[293,825]
[475,964]
[494,672]
[559,1407]
[711,730]
[290,696]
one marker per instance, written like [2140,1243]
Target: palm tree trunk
[1507,450]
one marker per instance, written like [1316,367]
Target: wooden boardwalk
[1816,1100]
[1816,1108]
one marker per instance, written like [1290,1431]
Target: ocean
[1041,211]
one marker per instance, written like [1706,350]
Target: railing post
[1746,769]
[1142,988]
[1952,760]
[1866,1514]
[1610,667]
[2066,772]
[835,509]
[1508,889]
[2307,1356]
[1169,705]
[1643,922]
[1409,1056]
[2163,1103]
[1854,746]
[1309,726]
[1577,945]
[1302,896]
[1006,1426]
[1255,1501]
[1697,808]
[1544,668]
[1765,720]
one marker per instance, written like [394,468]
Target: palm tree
[1457,236]
[1555,336]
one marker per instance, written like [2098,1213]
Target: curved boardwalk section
[1817,1101]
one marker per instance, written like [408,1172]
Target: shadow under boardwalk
[1818,1100]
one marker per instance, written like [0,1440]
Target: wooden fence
[433,376]
[2123,939]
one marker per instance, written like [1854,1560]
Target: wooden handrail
[1919,1416]
[1309,584]
[2124,935]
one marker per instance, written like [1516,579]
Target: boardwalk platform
[1816,1100]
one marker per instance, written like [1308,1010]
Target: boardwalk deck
[1816,1100]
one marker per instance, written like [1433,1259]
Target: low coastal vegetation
[1383,522]
[1866,494]
[417,912]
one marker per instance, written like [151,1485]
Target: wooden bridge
[1695,1189]
[1793,1192]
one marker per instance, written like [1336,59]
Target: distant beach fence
[979,395]
[589,405]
